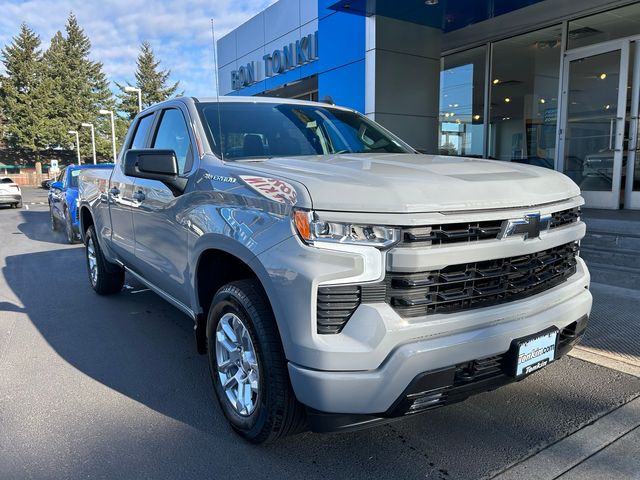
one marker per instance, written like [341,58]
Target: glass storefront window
[461,103]
[524,105]
[619,23]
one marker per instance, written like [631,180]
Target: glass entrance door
[594,104]
[632,183]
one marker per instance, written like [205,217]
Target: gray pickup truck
[336,277]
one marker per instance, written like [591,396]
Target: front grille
[565,217]
[470,232]
[474,285]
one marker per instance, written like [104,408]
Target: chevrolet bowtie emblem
[529,227]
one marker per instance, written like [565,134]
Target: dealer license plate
[535,352]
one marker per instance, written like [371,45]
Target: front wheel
[248,366]
[54,222]
[68,228]
[105,278]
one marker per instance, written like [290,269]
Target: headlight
[312,229]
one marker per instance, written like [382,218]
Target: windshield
[262,130]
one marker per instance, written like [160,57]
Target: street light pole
[130,89]
[113,131]
[93,139]
[75,132]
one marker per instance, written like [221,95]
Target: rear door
[161,239]
[121,195]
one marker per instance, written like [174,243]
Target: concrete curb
[599,357]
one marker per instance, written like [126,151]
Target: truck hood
[413,183]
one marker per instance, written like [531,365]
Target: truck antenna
[217,85]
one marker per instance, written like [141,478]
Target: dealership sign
[282,60]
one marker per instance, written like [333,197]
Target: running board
[157,290]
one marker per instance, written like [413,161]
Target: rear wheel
[248,366]
[105,278]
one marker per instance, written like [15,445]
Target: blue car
[63,199]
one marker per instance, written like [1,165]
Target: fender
[212,241]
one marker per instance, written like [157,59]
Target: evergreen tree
[78,90]
[150,79]
[22,93]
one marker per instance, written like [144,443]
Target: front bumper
[442,387]
[454,341]
[10,198]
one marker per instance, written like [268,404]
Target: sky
[179,32]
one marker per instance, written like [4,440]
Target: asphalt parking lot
[111,387]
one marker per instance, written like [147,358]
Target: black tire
[277,412]
[18,205]
[54,222]
[109,278]
[68,228]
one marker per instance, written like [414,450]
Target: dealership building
[554,83]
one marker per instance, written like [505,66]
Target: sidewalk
[614,326]
[608,448]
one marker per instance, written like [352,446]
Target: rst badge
[529,227]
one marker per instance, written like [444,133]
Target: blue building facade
[336,66]
[553,83]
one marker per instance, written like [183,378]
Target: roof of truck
[240,99]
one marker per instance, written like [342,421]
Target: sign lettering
[291,56]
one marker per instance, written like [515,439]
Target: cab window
[173,135]
[142,130]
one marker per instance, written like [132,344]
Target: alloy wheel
[237,364]
[93,264]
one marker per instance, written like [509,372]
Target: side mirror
[57,185]
[154,164]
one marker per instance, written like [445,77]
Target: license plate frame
[534,352]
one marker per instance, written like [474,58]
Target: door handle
[139,196]
[114,191]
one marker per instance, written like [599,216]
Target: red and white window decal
[272,188]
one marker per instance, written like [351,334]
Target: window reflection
[524,104]
[461,103]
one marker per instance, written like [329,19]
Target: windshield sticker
[272,188]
